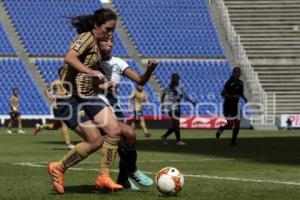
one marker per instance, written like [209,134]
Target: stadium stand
[170,28]
[14,75]
[44,26]
[269,33]
[5,46]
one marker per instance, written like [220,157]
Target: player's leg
[66,135]
[48,126]
[92,142]
[170,130]
[19,123]
[10,122]
[68,110]
[235,131]
[143,125]
[128,157]
[104,119]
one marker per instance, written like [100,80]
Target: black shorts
[92,106]
[231,112]
[14,115]
[138,114]
[175,114]
[68,111]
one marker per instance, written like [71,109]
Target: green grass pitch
[264,166]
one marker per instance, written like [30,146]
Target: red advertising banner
[205,122]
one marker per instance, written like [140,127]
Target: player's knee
[129,134]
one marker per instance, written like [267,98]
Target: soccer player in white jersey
[114,68]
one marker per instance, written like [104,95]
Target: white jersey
[113,69]
[173,97]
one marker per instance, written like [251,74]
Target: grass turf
[265,165]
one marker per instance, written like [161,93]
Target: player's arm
[146,98]
[162,98]
[224,92]
[80,46]
[188,98]
[106,85]
[47,91]
[243,95]
[72,59]
[11,104]
[141,79]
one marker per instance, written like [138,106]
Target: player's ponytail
[85,23]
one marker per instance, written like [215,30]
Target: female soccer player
[84,106]
[173,96]
[233,90]
[57,88]
[138,98]
[114,68]
[14,112]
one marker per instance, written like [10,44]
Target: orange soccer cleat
[104,182]
[57,177]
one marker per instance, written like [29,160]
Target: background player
[14,112]
[171,99]
[53,91]
[138,98]
[233,90]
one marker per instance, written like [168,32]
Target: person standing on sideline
[289,124]
[14,112]
[173,95]
[138,98]
[233,90]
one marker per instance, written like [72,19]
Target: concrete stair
[269,31]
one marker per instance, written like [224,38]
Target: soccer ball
[169,181]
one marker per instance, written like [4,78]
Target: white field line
[185,175]
[200,160]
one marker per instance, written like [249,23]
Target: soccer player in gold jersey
[138,98]
[58,89]
[79,73]
[14,112]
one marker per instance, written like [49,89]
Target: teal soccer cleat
[141,178]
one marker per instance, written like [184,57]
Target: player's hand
[152,64]
[97,74]
[106,85]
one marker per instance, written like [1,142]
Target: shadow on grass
[282,150]
[90,189]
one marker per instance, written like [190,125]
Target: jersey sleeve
[122,65]
[82,42]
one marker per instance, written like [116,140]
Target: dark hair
[85,23]
[15,89]
[175,75]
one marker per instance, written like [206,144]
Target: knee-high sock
[47,126]
[235,131]
[143,125]
[66,134]
[108,151]
[128,157]
[73,157]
